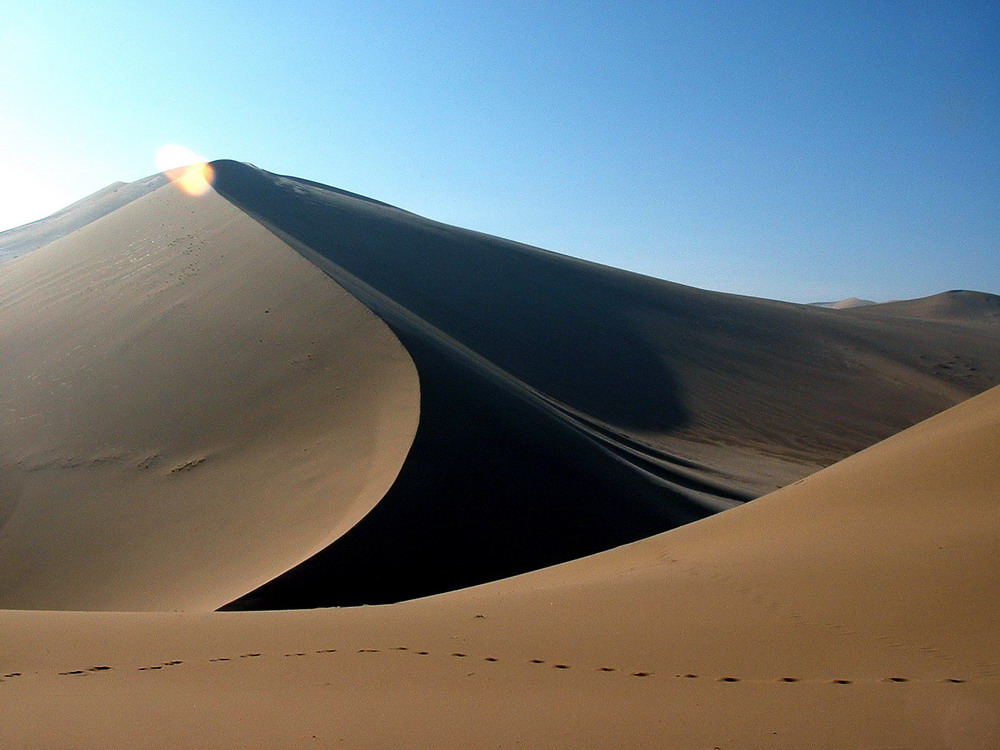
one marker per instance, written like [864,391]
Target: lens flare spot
[185,169]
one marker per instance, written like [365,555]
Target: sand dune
[845,304]
[284,394]
[190,408]
[853,609]
[23,239]
[957,306]
[565,407]
[579,406]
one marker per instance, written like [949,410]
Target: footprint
[99,669]
[950,679]
[897,679]
[537,661]
[423,653]
[641,674]
[367,650]
[789,679]
[560,666]
[188,466]
[491,658]
[248,656]
[75,671]
[13,674]
[401,648]
[690,676]
[220,658]
[605,669]
[327,651]
[729,679]
[458,654]
[841,682]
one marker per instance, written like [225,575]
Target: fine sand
[856,608]
[23,239]
[190,408]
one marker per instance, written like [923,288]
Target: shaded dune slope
[189,409]
[569,407]
[855,608]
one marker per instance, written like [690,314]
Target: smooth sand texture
[569,407]
[856,608]
[190,408]
[956,306]
[28,237]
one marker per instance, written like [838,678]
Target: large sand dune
[281,394]
[566,407]
[190,408]
[569,407]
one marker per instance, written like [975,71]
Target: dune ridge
[190,408]
[565,407]
[624,405]
[28,237]
[955,306]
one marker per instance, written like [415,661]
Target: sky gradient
[769,148]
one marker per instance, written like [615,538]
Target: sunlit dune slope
[189,408]
[569,407]
[856,608]
[956,306]
[23,239]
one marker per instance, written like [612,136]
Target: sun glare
[188,171]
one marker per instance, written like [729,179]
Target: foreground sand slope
[189,408]
[569,407]
[856,608]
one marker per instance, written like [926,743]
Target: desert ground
[284,466]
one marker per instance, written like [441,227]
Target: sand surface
[853,609]
[28,237]
[190,408]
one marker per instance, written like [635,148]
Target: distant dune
[23,239]
[845,304]
[957,306]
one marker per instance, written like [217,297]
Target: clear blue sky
[800,151]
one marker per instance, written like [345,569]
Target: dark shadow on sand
[498,481]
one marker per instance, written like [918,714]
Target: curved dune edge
[569,408]
[191,408]
[855,608]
